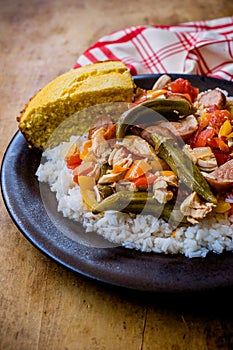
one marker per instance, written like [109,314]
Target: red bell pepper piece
[145,180]
[73,161]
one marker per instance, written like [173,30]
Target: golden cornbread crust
[80,88]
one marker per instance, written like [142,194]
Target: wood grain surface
[43,305]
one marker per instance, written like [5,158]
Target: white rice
[143,232]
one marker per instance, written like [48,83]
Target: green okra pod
[183,167]
[153,111]
[105,190]
[140,202]
[123,200]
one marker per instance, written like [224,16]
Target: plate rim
[126,281]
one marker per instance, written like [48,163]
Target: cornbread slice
[75,90]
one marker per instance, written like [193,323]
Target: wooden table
[43,305]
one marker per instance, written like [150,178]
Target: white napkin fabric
[203,48]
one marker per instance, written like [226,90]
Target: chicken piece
[119,157]
[100,147]
[189,152]
[71,150]
[161,82]
[207,164]
[160,188]
[102,122]
[202,156]
[110,178]
[84,168]
[221,179]
[160,191]
[139,147]
[90,169]
[95,172]
[125,185]
[171,180]
[194,209]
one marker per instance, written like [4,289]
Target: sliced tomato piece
[211,109]
[221,157]
[75,179]
[183,86]
[222,144]
[218,117]
[203,121]
[203,137]
[213,143]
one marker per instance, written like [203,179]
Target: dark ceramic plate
[116,266]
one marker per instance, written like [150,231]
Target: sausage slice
[211,98]
[222,178]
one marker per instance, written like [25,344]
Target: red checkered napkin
[204,48]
